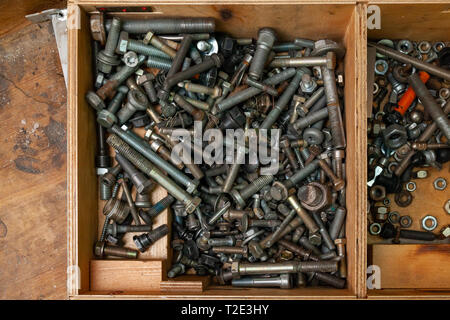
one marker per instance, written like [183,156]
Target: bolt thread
[120,252]
[318,266]
[148,50]
[162,64]
[160,206]
[116,102]
[330,280]
[158,233]
[168,26]
[113,37]
[129,228]
[105,191]
[255,186]
[151,91]
[116,209]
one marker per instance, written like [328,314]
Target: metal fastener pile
[409,131]
[278,221]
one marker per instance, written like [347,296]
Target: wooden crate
[344,21]
[410,270]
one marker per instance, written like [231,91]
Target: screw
[102,249]
[240,196]
[329,279]
[145,166]
[193,87]
[159,207]
[144,241]
[198,115]
[106,58]
[125,44]
[220,242]
[323,232]
[340,245]
[109,178]
[266,39]
[231,250]
[276,235]
[146,80]
[261,86]
[293,224]
[284,281]
[286,147]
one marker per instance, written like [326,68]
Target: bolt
[220,242]
[141,183]
[114,229]
[129,198]
[306,218]
[337,223]
[146,80]
[145,166]
[158,63]
[338,155]
[266,39]
[144,241]
[261,86]
[293,224]
[106,59]
[323,232]
[198,115]
[136,101]
[340,245]
[125,44]
[338,183]
[328,61]
[193,87]
[102,249]
[310,119]
[241,196]
[275,236]
[176,270]
[284,281]
[231,250]
[243,268]
[151,38]
[329,279]
[286,148]
[109,178]
[264,223]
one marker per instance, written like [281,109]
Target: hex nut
[377,193]
[433,225]
[405,221]
[122,44]
[411,186]
[395,136]
[106,118]
[403,198]
[95,101]
[322,47]
[440,184]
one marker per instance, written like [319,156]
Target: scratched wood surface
[32,160]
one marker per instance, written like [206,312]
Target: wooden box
[89,278]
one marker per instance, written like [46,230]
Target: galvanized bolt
[106,58]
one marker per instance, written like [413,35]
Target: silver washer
[375,229]
[433,225]
[440,184]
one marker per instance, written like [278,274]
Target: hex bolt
[293,224]
[154,40]
[303,253]
[241,196]
[221,242]
[106,59]
[231,250]
[328,61]
[283,101]
[263,223]
[167,25]
[334,110]
[312,100]
[144,241]
[130,201]
[286,148]
[279,190]
[198,115]
[276,235]
[430,105]
[310,119]
[178,61]
[116,210]
[338,183]
[139,180]
[146,80]
[102,249]
[176,270]
[340,245]
[248,93]
[337,223]
[326,239]
[159,207]
[404,58]
[172,80]
[304,242]
[306,218]
[198,88]
[158,63]
[145,166]
[244,268]
[266,39]
[338,155]
[145,151]
[114,229]
[329,279]
[298,232]
[261,86]
[284,281]
[125,44]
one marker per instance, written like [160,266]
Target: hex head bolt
[312,100]
[286,148]
[137,101]
[114,229]
[145,150]
[155,210]
[146,166]
[275,236]
[106,59]
[419,64]
[261,86]
[144,241]
[176,270]
[306,218]
[244,268]
[172,80]
[340,245]
[125,44]
[264,44]
[102,249]
[167,25]
[246,94]
[303,253]
[333,107]
[279,190]
[198,115]
[292,225]
[329,279]
[337,223]
[140,181]
[284,281]
[241,196]
[154,40]
[328,61]
[283,101]
[430,105]
[234,171]
[326,239]
[338,183]
[425,136]
[146,80]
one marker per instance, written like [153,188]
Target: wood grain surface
[32,162]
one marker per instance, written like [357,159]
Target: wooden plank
[413,265]
[32,164]
[188,284]
[125,275]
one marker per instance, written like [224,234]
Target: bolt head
[331,60]
[322,47]
[106,62]
[106,118]
[99,248]
[315,239]
[235,270]
[285,281]
[278,191]
[98,28]
[130,59]
[144,78]
[138,100]
[122,44]
[95,101]
[192,205]
[339,184]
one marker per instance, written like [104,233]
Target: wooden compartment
[411,270]
[343,21]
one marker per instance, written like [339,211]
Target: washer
[386,202]
[375,229]
[405,221]
[433,220]
[381,67]
[440,184]
[447,206]
[394,217]
[403,198]
[411,186]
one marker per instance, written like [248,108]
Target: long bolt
[266,39]
[276,235]
[114,229]
[261,86]
[284,281]
[144,241]
[159,207]
[147,50]
[146,166]
[330,280]
[139,180]
[307,220]
[103,249]
[167,26]
[334,110]
[404,58]
[323,232]
[198,88]
[244,268]
[231,250]
[158,63]
[311,118]
[107,58]
[329,61]
[241,196]
[430,105]
[151,38]
[294,224]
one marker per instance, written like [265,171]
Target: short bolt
[102,249]
[176,270]
[338,183]
[241,196]
[144,241]
[106,59]
[114,229]
[266,39]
